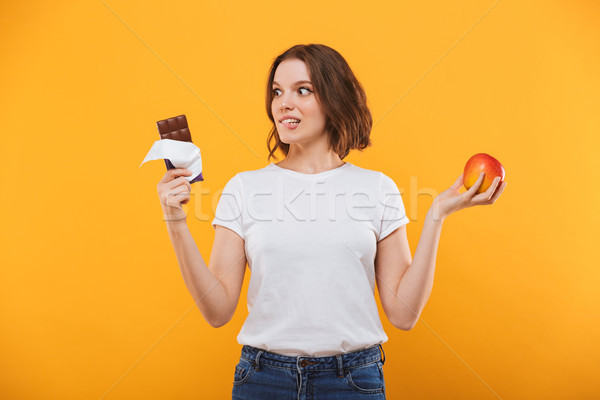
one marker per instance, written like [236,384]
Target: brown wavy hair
[340,94]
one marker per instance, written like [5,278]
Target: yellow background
[93,305]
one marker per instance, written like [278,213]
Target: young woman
[317,233]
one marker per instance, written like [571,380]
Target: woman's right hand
[173,191]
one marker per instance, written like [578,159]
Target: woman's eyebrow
[296,83]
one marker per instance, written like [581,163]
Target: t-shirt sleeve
[393,214]
[230,206]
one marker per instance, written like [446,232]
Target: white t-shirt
[310,242]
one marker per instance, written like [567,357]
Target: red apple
[482,162]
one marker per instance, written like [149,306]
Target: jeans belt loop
[383,352]
[340,366]
[257,360]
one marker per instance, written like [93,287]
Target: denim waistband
[347,360]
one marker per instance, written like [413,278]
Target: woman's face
[294,97]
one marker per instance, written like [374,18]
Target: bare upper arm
[228,264]
[392,259]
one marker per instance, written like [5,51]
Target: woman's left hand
[452,200]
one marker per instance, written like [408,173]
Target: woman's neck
[311,163]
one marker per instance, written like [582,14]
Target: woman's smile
[290,123]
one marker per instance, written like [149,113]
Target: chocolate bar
[176,128]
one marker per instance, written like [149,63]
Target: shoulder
[251,178]
[365,172]
[379,178]
[254,174]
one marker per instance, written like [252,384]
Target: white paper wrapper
[180,154]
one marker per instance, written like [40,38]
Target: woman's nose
[286,101]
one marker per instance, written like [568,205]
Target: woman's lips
[289,125]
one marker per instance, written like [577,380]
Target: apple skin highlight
[482,162]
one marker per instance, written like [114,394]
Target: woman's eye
[275,91]
[307,89]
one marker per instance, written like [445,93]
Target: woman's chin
[288,138]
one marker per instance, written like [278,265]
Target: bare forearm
[416,283]
[207,291]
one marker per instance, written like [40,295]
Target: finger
[182,198]
[174,190]
[180,181]
[171,174]
[498,193]
[179,189]
[165,188]
[475,187]
[180,171]
[177,195]
[187,183]
[174,173]
[490,191]
[485,197]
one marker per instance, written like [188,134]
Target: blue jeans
[262,375]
